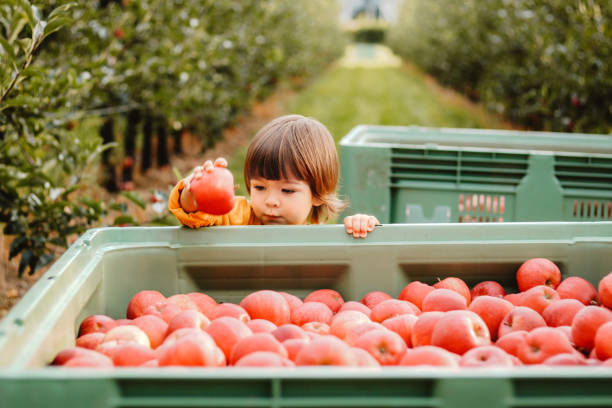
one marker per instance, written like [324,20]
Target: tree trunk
[147,148]
[163,155]
[177,134]
[108,136]
[131,133]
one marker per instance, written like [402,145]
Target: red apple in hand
[213,189]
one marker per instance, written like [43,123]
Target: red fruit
[561,312]
[542,343]
[402,325]
[520,318]
[229,310]
[126,334]
[585,325]
[514,298]
[132,355]
[326,350]
[72,352]
[488,288]
[443,300]
[330,297]
[227,332]
[353,332]
[355,306]
[459,331]
[343,321]
[371,299]
[141,301]
[423,327]
[204,303]
[154,327]
[316,328]
[261,326]
[118,33]
[90,340]
[99,361]
[575,287]
[183,301]
[537,271]
[95,324]
[603,341]
[188,318]
[385,346]
[457,285]
[269,305]
[164,310]
[214,191]
[512,341]
[264,359]
[256,342]
[415,292]
[486,356]
[430,356]
[293,301]
[565,359]
[312,312]
[289,331]
[391,308]
[539,297]
[492,310]
[190,347]
[363,358]
[605,290]
[293,347]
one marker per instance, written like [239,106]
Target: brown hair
[294,145]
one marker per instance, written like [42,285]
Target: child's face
[285,201]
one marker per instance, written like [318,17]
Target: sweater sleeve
[241,214]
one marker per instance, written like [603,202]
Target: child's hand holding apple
[210,189]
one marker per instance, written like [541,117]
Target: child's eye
[259,188]
[288,191]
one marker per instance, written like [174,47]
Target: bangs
[277,158]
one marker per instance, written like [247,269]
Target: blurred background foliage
[543,64]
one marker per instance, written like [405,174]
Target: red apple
[90,361]
[371,299]
[415,292]
[354,332]
[429,356]
[492,310]
[256,342]
[520,318]
[603,341]
[183,301]
[542,343]
[229,310]
[227,331]
[363,358]
[459,331]
[486,356]
[95,324]
[126,334]
[605,290]
[261,326]
[457,285]
[585,325]
[514,298]
[385,346]
[312,311]
[355,306]
[190,347]
[326,350]
[289,331]
[575,287]
[90,341]
[204,303]
[293,301]
[330,297]
[391,308]
[402,325]
[512,341]
[443,300]
[293,347]
[316,328]
[188,318]
[141,301]
[71,352]
[539,297]
[566,359]
[537,271]
[343,321]
[488,288]
[269,305]
[264,359]
[423,327]
[561,312]
[164,310]
[213,190]
[132,355]
[154,327]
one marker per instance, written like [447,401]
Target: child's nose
[272,200]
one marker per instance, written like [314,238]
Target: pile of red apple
[550,322]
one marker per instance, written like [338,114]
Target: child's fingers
[208,166]
[220,162]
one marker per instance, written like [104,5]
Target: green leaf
[9,52]
[135,198]
[26,259]
[55,24]
[28,11]
[125,219]
[18,245]
[20,101]
[61,10]
[177,174]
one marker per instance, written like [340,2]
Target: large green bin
[105,267]
[418,174]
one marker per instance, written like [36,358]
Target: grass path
[377,90]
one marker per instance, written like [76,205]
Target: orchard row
[550,321]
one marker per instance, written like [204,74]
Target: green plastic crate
[417,174]
[105,267]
